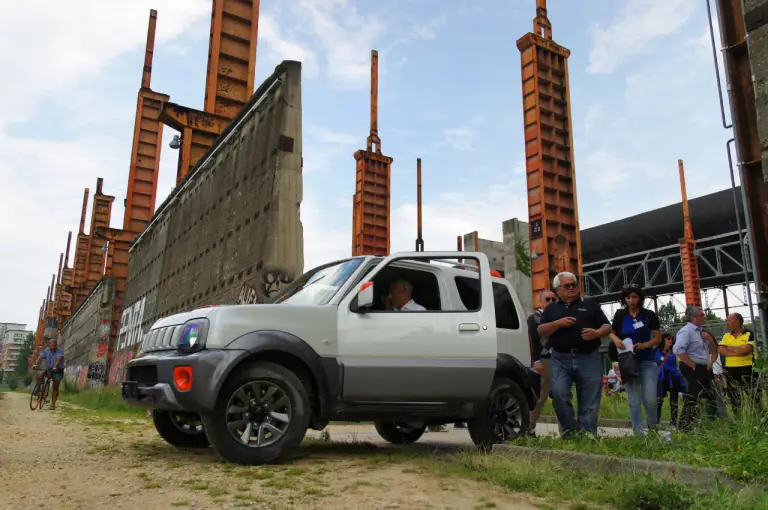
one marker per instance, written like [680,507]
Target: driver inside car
[400,292]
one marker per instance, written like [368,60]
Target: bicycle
[40,391]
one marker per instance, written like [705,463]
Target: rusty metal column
[101,213]
[370,209]
[734,24]
[81,250]
[419,238]
[688,259]
[229,81]
[551,173]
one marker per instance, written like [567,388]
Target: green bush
[13,383]
[649,494]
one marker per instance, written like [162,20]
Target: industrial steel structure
[551,175]
[371,202]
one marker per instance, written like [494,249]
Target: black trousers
[743,380]
[700,388]
[674,388]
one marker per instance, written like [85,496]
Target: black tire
[34,400]
[183,430]
[45,390]
[293,400]
[399,433]
[492,424]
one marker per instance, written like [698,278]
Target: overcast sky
[643,95]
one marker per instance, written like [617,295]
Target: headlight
[193,335]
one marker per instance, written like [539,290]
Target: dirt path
[93,462]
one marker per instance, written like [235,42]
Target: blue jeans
[586,371]
[642,392]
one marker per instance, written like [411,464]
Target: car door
[418,356]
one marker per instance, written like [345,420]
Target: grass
[624,491]
[739,446]
[615,407]
[106,400]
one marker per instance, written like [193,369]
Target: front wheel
[34,398]
[262,414]
[183,430]
[503,416]
[399,433]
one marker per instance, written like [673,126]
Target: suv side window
[506,313]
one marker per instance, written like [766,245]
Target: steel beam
[81,250]
[660,271]
[738,70]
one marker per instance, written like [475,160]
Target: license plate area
[131,390]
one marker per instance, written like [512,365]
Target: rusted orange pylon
[370,209]
[552,205]
[229,81]
[689,261]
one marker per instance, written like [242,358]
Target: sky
[643,95]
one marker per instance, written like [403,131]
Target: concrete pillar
[516,231]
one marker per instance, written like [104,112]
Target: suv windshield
[317,287]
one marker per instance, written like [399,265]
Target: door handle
[469,326]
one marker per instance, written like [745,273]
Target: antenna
[419,239]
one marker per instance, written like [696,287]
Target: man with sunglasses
[575,326]
[540,351]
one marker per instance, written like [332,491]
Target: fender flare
[510,367]
[276,341]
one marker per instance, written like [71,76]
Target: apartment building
[12,337]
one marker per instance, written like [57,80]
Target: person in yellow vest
[739,348]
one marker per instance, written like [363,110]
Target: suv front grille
[161,339]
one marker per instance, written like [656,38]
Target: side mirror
[364,298]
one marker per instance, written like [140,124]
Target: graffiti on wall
[248,295]
[129,332]
[117,370]
[85,376]
[273,281]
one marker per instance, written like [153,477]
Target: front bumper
[149,379]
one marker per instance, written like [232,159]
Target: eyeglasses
[549,300]
[570,286]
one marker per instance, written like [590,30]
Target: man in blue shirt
[696,360]
[54,365]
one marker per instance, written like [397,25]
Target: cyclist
[54,365]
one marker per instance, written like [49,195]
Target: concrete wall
[501,256]
[85,337]
[233,222]
[516,231]
[494,250]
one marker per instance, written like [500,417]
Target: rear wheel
[262,414]
[183,430]
[503,416]
[399,433]
[44,392]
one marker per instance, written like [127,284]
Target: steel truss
[659,271]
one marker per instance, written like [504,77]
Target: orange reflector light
[182,378]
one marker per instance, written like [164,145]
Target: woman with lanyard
[640,326]
[670,379]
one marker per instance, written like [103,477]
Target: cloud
[323,148]
[80,38]
[638,25]
[462,138]
[281,47]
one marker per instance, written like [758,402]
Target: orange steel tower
[147,141]
[551,173]
[689,261]
[370,208]
[81,249]
[229,83]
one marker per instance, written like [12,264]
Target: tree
[22,361]
[712,317]
[522,256]
[668,316]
